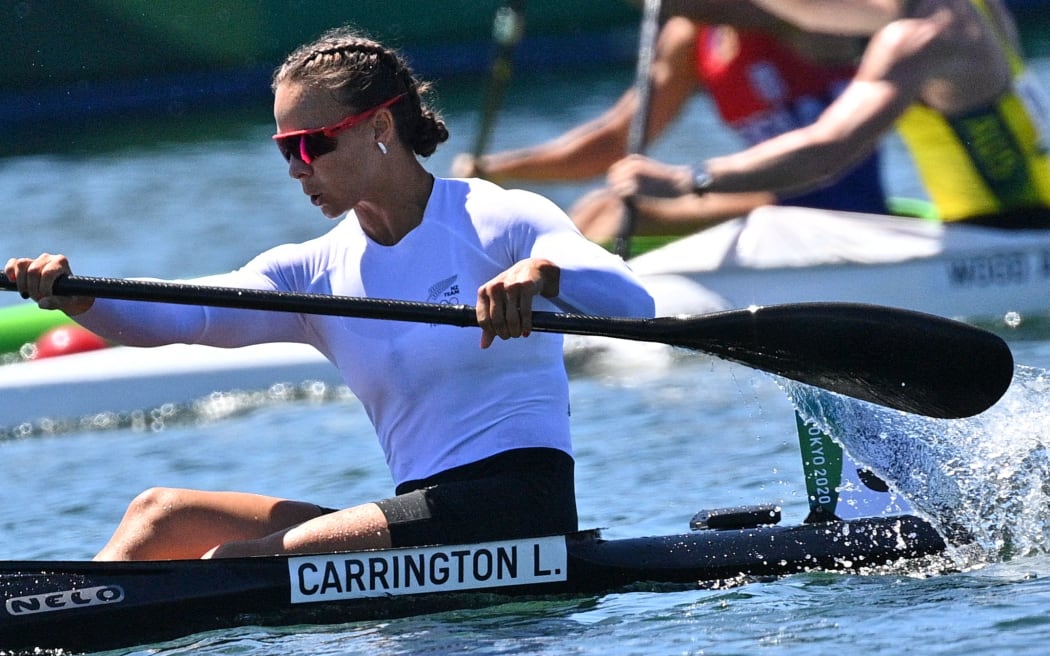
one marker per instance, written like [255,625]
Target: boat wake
[983,482]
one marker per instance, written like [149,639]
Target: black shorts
[515,494]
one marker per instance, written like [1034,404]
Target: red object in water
[65,340]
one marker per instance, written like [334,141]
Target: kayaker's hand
[35,279]
[504,306]
[636,175]
[465,166]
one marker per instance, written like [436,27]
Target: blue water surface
[175,195]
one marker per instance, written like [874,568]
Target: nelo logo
[48,602]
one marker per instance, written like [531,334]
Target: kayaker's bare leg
[360,527]
[168,523]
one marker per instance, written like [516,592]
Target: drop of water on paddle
[983,481]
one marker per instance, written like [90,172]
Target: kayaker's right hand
[35,279]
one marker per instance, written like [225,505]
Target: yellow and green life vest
[989,160]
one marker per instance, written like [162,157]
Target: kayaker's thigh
[166,523]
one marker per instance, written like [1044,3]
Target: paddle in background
[905,360]
[508,27]
[981,481]
[640,121]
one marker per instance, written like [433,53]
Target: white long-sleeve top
[436,399]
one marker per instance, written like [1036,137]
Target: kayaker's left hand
[504,307]
[636,175]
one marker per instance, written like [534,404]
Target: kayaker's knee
[155,503]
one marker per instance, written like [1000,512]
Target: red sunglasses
[308,145]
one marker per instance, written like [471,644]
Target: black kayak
[88,606]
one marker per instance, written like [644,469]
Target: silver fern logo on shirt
[445,292]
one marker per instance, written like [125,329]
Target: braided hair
[362,73]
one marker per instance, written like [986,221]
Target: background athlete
[948,74]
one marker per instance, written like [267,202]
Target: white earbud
[382,147]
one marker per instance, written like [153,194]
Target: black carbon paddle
[910,361]
[639,126]
[508,28]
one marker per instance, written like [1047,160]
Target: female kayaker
[477,439]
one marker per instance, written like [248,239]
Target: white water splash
[983,481]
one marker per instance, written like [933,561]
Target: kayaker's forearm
[689,213]
[133,323]
[588,294]
[585,153]
[789,164]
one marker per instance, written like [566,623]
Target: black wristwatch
[701,181]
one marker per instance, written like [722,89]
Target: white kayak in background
[125,379]
[792,254]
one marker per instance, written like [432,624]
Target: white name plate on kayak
[430,569]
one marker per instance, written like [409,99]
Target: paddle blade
[910,361]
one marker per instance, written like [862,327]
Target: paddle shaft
[905,360]
[640,120]
[463,316]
